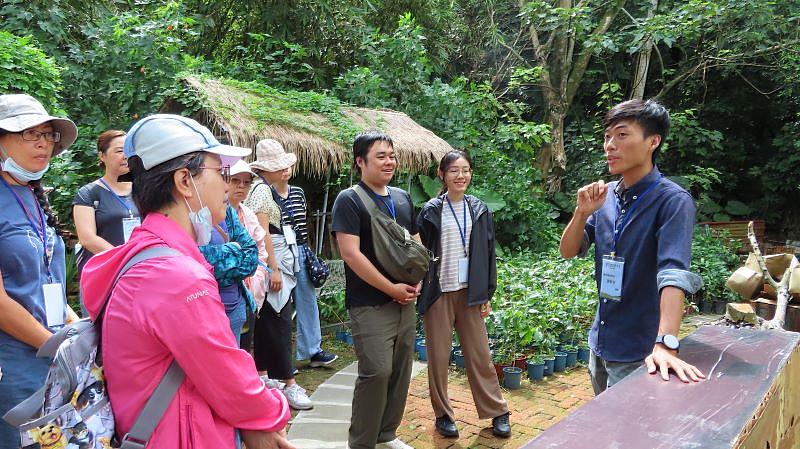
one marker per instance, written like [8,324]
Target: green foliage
[26,69]
[713,259]
[538,298]
[332,309]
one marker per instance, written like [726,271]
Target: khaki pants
[449,311]
[383,337]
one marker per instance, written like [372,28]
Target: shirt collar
[637,189]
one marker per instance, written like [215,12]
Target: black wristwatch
[669,341]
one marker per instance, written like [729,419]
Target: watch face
[671,341]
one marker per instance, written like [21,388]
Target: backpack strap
[368,202]
[153,411]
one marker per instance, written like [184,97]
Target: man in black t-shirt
[382,315]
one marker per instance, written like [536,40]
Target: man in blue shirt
[642,231]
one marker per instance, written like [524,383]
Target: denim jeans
[237,318]
[309,336]
[23,374]
[605,374]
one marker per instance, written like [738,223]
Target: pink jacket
[165,308]
[257,283]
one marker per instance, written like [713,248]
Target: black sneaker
[323,358]
[446,427]
[501,426]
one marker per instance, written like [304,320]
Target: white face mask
[11,167]
[201,220]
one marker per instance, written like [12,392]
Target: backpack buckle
[129,442]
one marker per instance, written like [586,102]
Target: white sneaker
[272,383]
[297,398]
[394,444]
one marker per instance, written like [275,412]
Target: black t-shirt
[108,215]
[351,217]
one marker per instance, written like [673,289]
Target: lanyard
[461,232]
[389,205]
[124,204]
[618,231]
[41,236]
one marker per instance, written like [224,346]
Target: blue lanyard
[42,227]
[461,232]
[124,204]
[389,205]
[618,231]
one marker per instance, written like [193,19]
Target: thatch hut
[317,128]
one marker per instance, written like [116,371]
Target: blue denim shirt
[656,240]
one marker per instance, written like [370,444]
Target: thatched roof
[244,113]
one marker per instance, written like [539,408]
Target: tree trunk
[643,61]
[553,162]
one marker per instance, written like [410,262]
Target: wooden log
[750,400]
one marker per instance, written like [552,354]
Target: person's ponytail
[41,198]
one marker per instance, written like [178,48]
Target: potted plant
[536,367]
[512,377]
[572,355]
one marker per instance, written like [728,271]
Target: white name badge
[463,270]
[128,225]
[54,304]
[288,233]
[611,279]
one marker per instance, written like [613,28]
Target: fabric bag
[317,269]
[402,257]
[72,409]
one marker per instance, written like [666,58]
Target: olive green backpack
[401,257]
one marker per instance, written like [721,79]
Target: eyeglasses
[236,182]
[456,171]
[224,170]
[32,135]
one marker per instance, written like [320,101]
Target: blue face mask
[11,167]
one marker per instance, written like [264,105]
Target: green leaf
[737,208]
[430,185]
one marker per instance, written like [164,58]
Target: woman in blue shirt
[32,294]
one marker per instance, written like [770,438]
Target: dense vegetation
[521,85]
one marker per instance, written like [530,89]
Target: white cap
[241,167]
[162,137]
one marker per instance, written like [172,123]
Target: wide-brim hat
[270,156]
[19,112]
[241,167]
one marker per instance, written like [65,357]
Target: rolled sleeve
[674,235]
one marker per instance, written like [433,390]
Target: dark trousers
[272,340]
[383,337]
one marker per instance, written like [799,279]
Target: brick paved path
[534,407]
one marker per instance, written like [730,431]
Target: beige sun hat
[19,112]
[270,156]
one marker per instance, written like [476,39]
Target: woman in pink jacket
[169,308]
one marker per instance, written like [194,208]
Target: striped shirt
[293,212]
[452,245]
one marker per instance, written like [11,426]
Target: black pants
[272,341]
[246,341]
